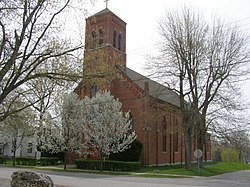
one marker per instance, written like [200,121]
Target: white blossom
[107,128]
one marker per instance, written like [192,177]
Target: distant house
[245,155]
[26,145]
[26,148]
[155,109]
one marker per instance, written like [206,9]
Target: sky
[142,18]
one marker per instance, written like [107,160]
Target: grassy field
[208,170]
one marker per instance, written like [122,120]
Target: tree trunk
[188,148]
[14,158]
[240,156]
[200,144]
[187,125]
[65,160]
[201,137]
[101,163]
[101,166]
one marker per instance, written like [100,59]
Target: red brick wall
[157,155]
[132,101]
[148,114]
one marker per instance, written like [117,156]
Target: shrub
[47,161]
[130,155]
[3,160]
[29,161]
[229,155]
[44,161]
[59,155]
[110,165]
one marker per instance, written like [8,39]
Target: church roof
[106,11]
[155,89]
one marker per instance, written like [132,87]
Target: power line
[148,48]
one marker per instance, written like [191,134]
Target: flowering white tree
[50,137]
[90,125]
[104,124]
[63,134]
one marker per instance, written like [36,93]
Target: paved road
[236,179]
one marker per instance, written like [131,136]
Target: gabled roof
[106,11]
[155,89]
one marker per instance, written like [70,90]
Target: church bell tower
[105,40]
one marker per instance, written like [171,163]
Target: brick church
[154,107]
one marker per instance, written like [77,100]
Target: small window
[164,134]
[120,41]
[1,148]
[12,149]
[114,39]
[100,38]
[93,39]
[94,91]
[29,148]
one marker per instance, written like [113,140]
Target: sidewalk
[61,166]
[4,182]
[72,168]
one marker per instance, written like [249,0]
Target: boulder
[30,179]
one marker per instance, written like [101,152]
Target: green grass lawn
[174,171]
[207,170]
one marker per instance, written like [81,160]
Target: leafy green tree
[230,155]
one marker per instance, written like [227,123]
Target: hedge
[46,161]
[110,165]
[29,161]
[3,160]
[132,154]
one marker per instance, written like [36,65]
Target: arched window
[176,141]
[114,39]
[130,119]
[164,134]
[30,146]
[176,136]
[93,39]
[194,141]
[100,38]
[120,41]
